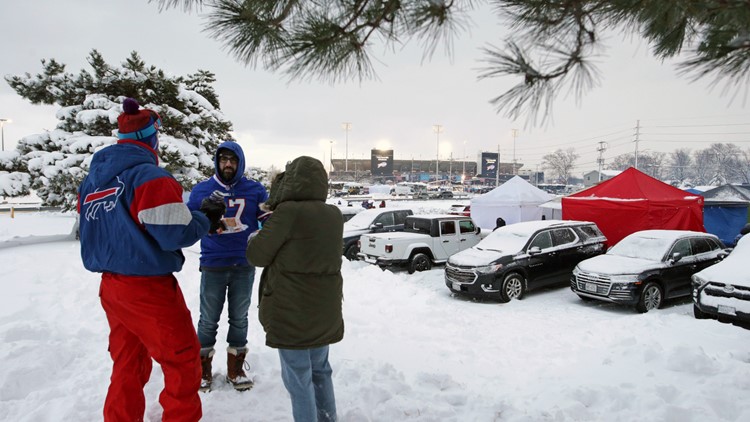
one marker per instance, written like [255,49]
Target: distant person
[225,273]
[382,204]
[300,293]
[499,222]
[133,225]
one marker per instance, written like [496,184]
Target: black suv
[375,220]
[519,257]
[647,267]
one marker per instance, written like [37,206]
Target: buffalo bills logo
[106,199]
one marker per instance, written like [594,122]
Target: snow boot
[235,373]
[207,355]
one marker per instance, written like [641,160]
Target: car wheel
[419,262]
[513,287]
[698,314]
[351,252]
[651,298]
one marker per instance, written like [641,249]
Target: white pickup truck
[426,240]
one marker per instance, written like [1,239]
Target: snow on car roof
[666,234]
[733,269]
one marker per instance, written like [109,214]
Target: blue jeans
[237,285]
[307,378]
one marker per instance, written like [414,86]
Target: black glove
[214,208]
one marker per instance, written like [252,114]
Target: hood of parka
[304,179]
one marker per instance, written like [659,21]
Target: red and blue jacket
[132,217]
[242,197]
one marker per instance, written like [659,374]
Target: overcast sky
[276,120]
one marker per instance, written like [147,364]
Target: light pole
[437,129]
[514,132]
[330,167]
[2,130]
[463,164]
[347,127]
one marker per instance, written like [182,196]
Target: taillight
[359,244]
[388,248]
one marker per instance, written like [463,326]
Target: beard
[228,173]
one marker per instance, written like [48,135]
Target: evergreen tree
[549,47]
[58,160]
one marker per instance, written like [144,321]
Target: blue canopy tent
[725,211]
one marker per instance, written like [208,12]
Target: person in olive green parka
[300,292]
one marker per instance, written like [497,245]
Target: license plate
[726,310]
[456,286]
[590,287]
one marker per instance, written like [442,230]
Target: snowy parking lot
[411,350]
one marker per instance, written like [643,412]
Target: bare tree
[705,172]
[561,163]
[680,162]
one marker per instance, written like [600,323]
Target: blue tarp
[725,221]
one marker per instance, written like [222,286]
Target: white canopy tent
[515,200]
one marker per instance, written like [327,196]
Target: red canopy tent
[633,201]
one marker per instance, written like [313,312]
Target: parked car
[426,240]
[647,267]
[722,290]
[460,209]
[519,257]
[374,220]
[349,212]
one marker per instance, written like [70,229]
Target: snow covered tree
[549,47]
[57,160]
[561,163]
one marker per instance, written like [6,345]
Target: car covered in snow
[722,290]
[647,267]
[460,209]
[376,220]
[519,257]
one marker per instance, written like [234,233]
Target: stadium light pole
[437,129]
[2,130]
[347,127]
[514,132]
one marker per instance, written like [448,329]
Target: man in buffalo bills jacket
[225,271]
[132,225]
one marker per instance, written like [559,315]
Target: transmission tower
[602,147]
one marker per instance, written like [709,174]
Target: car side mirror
[377,227]
[676,257]
[534,250]
[479,230]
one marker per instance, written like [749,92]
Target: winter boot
[207,355]
[235,373]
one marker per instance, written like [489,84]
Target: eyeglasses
[228,158]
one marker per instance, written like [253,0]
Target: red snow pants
[148,319]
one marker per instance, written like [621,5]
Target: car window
[448,227]
[700,245]
[466,226]
[682,247]
[400,217]
[386,219]
[590,231]
[714,244]
[542,241]
[418,225]
[563,236]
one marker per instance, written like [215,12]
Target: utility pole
[514,132]
[463,165]
[347,127]
[602,147]
[497,167]
[637,132]
[437,129]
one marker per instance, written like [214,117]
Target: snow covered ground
[411,351]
